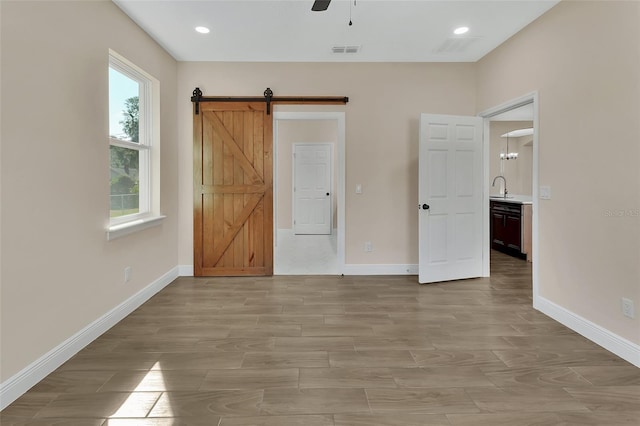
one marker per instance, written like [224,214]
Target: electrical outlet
[628,309]
[127,274]
[368,247]
[545,192]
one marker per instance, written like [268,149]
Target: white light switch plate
[359,188]
[545,192]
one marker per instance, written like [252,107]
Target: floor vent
[346,49]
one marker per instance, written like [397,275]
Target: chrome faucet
[505,183]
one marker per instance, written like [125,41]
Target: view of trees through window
[124,111]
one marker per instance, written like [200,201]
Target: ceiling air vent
[346,49]
[456,44]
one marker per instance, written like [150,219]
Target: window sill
[122,229]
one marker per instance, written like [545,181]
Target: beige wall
[583,58]
[381,137]
[518,173]
[59,273]
[300,131]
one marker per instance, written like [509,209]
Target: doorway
[500,161]
[303,252]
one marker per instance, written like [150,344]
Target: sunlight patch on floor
[140,402]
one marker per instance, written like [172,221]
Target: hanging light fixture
[508,155]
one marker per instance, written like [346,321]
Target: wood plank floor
[339,351]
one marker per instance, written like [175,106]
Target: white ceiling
[288,31]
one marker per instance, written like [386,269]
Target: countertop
[513,198]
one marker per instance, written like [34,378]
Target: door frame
[293,181]
[339,157]
[530,98]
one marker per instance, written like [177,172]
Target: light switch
[358,188]
[545,192]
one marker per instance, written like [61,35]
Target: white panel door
[450,191]
[312,189]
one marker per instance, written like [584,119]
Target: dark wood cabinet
[506,228]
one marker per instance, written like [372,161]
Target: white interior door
[450,191]
[312,189]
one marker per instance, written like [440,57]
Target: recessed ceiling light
[460,30]
[202,30]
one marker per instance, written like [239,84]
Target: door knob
[425,207]
[327,194]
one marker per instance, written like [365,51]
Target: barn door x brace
[269,99]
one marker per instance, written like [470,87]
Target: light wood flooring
[340,351]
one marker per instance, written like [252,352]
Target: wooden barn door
[233,189]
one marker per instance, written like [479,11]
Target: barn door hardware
[268,98]
[197,97]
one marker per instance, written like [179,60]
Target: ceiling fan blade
[320,5]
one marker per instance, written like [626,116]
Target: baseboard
[620,346]
[380,269]
[353,269]
[15,386]
[185,270]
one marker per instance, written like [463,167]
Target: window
[133,145]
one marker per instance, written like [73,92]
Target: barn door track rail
[269,99]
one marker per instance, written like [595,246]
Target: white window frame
[147,147]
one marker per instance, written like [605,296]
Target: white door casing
[312,188]
[450,198]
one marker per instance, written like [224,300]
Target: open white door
[312,189]
[450,191]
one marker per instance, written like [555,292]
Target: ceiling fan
[320,5]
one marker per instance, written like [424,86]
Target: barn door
[233,190]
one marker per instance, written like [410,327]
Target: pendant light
[508,155]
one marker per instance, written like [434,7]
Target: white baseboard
[620,346]
[185,270]
[15,386]
[380,269]
[353,269]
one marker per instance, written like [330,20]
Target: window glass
[125,181]
[129,152]
[124,95]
